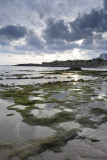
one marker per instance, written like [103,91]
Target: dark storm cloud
[12,32]
[100,43]
[87,44]
[56,29]
[4,2]
[105,5]
[61,45]
[94,21]
[88,27]
[81,28]
[3,42]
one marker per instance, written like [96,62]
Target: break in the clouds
[60,29]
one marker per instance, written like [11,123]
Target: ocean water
[19,75]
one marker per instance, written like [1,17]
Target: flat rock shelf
[47,112]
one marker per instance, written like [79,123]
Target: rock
[75,69]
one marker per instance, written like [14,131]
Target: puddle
[46,105]
[25,132]
[68,110]
[45,113]
[13,129]
[19,88]
[60,96]
[36,98]
[40,91]
[19,107]
[2,89]
[75,89]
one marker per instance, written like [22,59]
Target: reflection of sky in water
[95,69]
[76,89]
[46,105]
[19,107]
[44,113]
[60,96]
[35,71]
[46,110]
[68,110]
[35,98]
[39,91]
[100,93]
[12,128]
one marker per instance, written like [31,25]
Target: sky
[36,31]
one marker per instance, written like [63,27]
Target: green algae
[54,72]
[82,72]
[6,146]
[53,143]
[104,119]
[86,122]
[18,75]
[76,100]
[57,118]
[20,96]
[98,111]
[11,114]
[54,86]
[93,73]
[21,77]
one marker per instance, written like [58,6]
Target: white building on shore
[103,56]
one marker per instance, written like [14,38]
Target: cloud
[62,46]
[4,42]
[82,27]
[105,5]
[56,29]
[89,27]
[96,21]
[52,26]
[34,40]
[87,44]
[12,32]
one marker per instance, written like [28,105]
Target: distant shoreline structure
[70,63]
